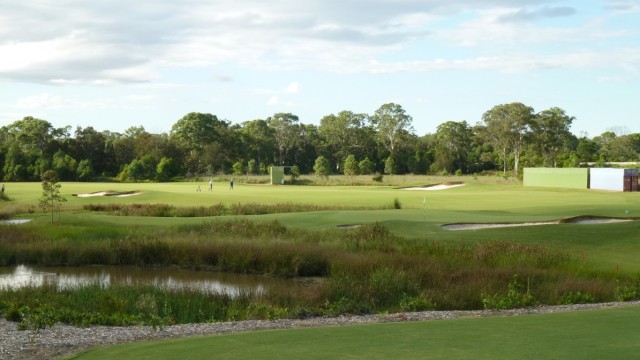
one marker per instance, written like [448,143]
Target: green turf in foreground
[592,334]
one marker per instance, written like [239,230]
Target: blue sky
[116,64]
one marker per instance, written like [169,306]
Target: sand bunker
[573,220]
[14,221]
[348,226]
[442,186]
[109,193]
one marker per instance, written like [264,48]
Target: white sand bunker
[348,226]
[573,220]
[442,186]
[109,193]
[14,221]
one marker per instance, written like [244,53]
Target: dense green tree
[91,144]
[166,169]
[344,134]
[366,166]
[238,168]
[507,127]
[14,168]
[322,167]
[286,132]
[65,166]
[31,134]
[135,170]
[252,167]
[295,173]
[620,148]
[453,144]
[215,159]
[390,166]
[350,166]
[196,130]
[85,170]
[122,148]
[392,123]
[587,150]
[306,147]
[550,131]
[258,140]
[149,165]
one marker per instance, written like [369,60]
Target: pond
[170,278]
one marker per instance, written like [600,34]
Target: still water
[173,279]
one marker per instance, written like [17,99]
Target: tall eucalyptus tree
[507,127]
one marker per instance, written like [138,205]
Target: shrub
[517,297]
[14,312]
[576,298]
[39,318]
[322,167]
[365,166]
[416,303]
[628,293]
[396,204]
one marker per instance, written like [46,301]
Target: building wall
[575,178]
[607,179]
[277,175]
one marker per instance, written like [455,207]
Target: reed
[165,210]
[362,270]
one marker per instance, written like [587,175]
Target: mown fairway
[591,334]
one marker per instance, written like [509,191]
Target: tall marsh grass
[165,210]
[366,269]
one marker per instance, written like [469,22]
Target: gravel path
[64,340]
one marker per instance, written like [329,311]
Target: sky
[114,64]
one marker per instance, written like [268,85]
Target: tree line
[508,137]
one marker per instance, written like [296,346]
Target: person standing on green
[231,184]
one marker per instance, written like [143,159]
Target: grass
[400,258]
[570,335]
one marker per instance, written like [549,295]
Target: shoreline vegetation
[365,270]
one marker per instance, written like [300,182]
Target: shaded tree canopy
[391,121]
[200,144]
[196,130]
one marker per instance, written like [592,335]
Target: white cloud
[64,43]
[624,6]
[136,74]
[47,101]
[516,64]
[43,101]
[292,88]
[531,15]
[273,100]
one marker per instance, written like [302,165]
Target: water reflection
[173,279]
